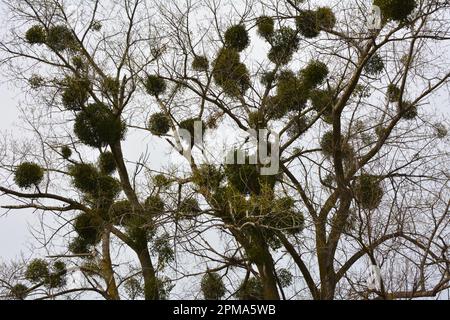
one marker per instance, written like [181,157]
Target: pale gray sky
[14,232]
[14,228]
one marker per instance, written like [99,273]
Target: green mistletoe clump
[237,38]
[212,286]
[98,188]
[107,163]
[246,178]
[154,206]
[28,174]
[39,271]
[284,43]
[61,38]
[76,93]
[323,102]
[159,124]
[394,93]
[36,35]
[328,146]
[88,227]
[314,74]
[66,152]
[265,27]
[284,217]
[188,208]
[375,65]
[200,63]
[230,73]
[208,176]
[155,85]
[368,191]
[408,110]
[19,291]
[396,10]
[251,289]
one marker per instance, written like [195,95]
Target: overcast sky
[14,233]
[14,228]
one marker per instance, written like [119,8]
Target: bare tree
[363,178]
[86,62]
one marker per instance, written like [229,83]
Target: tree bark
[265,265]
[268,279]
[107,270]
[151,290]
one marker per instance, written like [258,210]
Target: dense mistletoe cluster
[408,110]
[58,38]
[237,38]
[159,124]
[107,163]
[189,125]
[154,206]
[39,271]
[66,152]
[137,221]
[246,178]
[307,24]
[212,286]
[284,217]
[393,93]
[251,289]
[230,73]
[299,125]
[36,35]
[326,18]
[188,208]
[155,85]
[284,43]
[265,27]
[323,102]
[328,146]
[19,292]
[314,74]
[111,87]
[207,176]
[98,187]
[368,191]
[293,92]
[397,10]
[28,175]
[200,63]
[161,181]
[61,38]
[88,227]
[76,93]
[97,126]
[375,65]
[311,22]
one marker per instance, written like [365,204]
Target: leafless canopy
[363,179]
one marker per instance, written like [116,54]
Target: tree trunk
[264,263]
[268,279]
[151,290]
[123,174]
[328,287]
[327,276]
[107,270]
